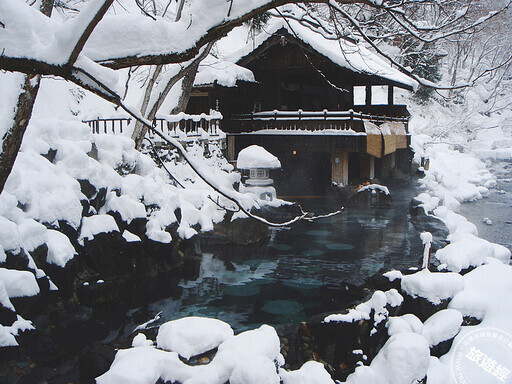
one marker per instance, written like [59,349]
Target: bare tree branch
[87,32]
[176,144]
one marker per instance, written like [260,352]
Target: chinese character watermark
[483,355]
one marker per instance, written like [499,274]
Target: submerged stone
[303,283]
[313,252]
[340,247]
[318,233]
[282,307]
[242,290]
[281,247]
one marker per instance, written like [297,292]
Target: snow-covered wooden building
[325,107]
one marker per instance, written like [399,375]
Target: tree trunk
[137,135]
[188,74]
[11,142]
[186,89]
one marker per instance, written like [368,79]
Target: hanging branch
[179,183]
[182,151]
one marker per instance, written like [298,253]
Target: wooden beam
[368,100]
[391,95]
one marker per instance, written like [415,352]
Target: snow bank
[470,251]
[486,295]
[191,336]
[255,156]
[455,177]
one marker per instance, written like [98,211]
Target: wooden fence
[309,121]
[191,125]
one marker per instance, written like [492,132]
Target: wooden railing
[173,125]
[309,121]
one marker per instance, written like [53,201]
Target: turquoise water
[303,269]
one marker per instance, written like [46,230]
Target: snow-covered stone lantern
[258,161]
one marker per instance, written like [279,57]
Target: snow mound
[145,364]
[311,372]
[96,224]
[191,336]
[442,326]
[470,251]
[60,249]
[404,323]
[18,283]
[255,156]
[255,371]
[404,359]
[433,286]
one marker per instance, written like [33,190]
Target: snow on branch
[242,201]
[426,83]
[411,27]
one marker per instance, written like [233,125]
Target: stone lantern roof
[256,157]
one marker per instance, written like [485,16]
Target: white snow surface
[311,372]
[145,365]
[377,304]
[18,283]
[96,224]
[60,249]
[256,156]
[442,326]
[433,286]
[191,336]
[403,359]
[468,250]
[342,52]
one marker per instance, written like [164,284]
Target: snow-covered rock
[441,326]
[191,336]
[433,286]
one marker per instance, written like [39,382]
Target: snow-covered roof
[344,53]
[255,156]
[224,72]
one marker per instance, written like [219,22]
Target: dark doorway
[303,173]
[354,167]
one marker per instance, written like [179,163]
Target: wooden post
[368,100]
[391,97]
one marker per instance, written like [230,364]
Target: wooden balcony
[315,121]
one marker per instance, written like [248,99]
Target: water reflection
[303,270]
